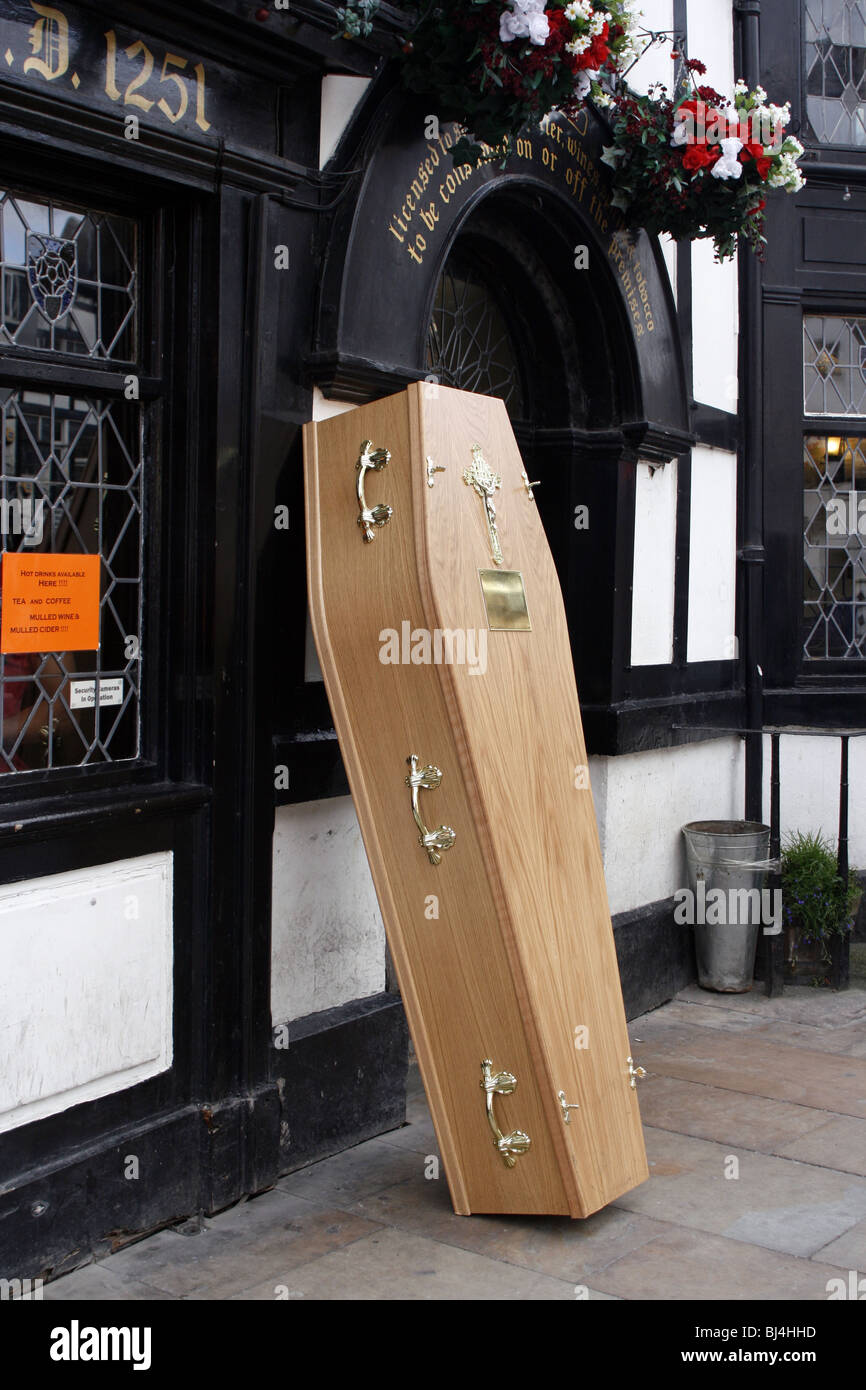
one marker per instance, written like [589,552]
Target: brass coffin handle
[427,779]
[377,459]
[636,1074]
[502,1083]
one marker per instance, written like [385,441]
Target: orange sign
[50,603]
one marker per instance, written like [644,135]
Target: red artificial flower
[695,65]
[558,22]
[752,150]
[700,156]
[598,49]
[710,95]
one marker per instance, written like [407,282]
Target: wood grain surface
[521,952]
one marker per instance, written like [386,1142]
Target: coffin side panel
[533,803]
[453,970]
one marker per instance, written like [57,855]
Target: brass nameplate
[505,600]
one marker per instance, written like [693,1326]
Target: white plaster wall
[713,556]
[85,985]
[328,942]
[340,96]
[654,565]
[809,799]
[715,328]
[656,65]
[714,287]
[711,38]
[642,801]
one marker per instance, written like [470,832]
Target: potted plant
[818,907]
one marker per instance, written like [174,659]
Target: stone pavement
[772,1090]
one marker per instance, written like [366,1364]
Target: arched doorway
[512,316]
[519,281]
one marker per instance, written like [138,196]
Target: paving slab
[845,1035]
[838,1144]
[682,1265]
[398,1266]
[796,1004]
[775,1202]
[849,1250]
[259,1240]
[100,1283]
[418,1133]
[711,1112]
[556,1246]
[848,1041]
[754,1066]
[354,1174]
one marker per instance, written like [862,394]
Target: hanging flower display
[496,66]
[701,166]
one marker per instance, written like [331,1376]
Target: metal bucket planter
[732,856]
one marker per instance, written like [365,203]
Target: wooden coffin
[501,940]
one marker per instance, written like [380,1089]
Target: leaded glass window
[71,485]
[68,279]
[469,343]
[834,365]
[834,528]
[835,41]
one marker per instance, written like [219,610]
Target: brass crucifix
[484,481]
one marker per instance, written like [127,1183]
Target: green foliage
[816,902]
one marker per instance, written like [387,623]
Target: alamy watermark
[441,646]
[23,517]
[729,907]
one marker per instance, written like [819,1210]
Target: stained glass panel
[834,365]
[469,343]
[835,42]
[68,279]
[834,548]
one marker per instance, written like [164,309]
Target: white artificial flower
[583,84]
[787,175]
[610,154]
[511,26]
[760,94]
[539,29]
[526,20]
[578,45]
[728,165]
[604,99]
[741,88]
